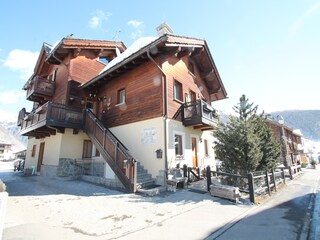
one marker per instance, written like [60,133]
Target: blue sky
[268,50]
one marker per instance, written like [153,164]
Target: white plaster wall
[51,149]
[32,161]
[67,145]
[188,133]
[131,136]
[72,144]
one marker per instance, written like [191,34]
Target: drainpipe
[165,112]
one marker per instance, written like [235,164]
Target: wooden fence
[255,183]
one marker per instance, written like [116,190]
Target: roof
[296,132]
[61,49]
[4,142]
[139,50]
[135,47]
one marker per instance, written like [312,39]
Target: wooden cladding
[40,88]
[50,115]
[136,96]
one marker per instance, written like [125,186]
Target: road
[287,215]
[48,208]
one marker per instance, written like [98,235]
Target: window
[33,152]
[52,76]
[177,91]
[87,149]
[178,145]
[191,67]
[206,150]
[193,96]
[121,96]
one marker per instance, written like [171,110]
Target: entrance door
[40,157]
[194,151]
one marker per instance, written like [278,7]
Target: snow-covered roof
[297,132]
[135,47]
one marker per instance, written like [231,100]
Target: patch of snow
[135,47]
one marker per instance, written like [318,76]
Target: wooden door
[194,151]
[87,149]
[40,156]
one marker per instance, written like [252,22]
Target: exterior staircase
[146,185]
[133,176]
[144,179]
[113,151]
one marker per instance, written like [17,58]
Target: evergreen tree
[245,109]
[246,143]
[270,147]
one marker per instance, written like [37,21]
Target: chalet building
[291,140]
[127,120]
[5,150]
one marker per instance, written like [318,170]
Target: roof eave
[125,61]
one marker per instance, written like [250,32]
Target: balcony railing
[51,115]
[40,88]
[198,113]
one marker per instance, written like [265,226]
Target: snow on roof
[135,47]
[297,132]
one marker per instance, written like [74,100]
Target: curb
[314,232]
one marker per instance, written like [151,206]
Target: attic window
[103,60]
[191,67]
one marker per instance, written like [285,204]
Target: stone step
[145,183]
[151,191]
[144,176]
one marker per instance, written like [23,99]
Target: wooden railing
[40,86]
[198,112]
[254,183]
[113,151]
[51,114]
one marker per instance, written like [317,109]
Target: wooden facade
[290,142]
[166,78]
[59,72]
[148,77]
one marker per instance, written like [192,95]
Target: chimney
[164,28]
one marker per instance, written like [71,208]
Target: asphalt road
[287,215]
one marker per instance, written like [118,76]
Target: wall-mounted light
[71,99]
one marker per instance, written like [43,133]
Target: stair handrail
[110,134]
[130,182]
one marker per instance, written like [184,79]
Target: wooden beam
[186,52]
[197,52]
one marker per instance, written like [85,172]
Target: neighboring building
[150,104]
[20,154]
[291,142]
[5,150]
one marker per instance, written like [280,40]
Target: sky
[267,50]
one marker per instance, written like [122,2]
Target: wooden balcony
[40,88]
[199,114]
[50,118]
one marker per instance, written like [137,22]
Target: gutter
[165,113]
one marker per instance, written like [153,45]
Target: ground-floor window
[87,149]
[178,145]
[206,148]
